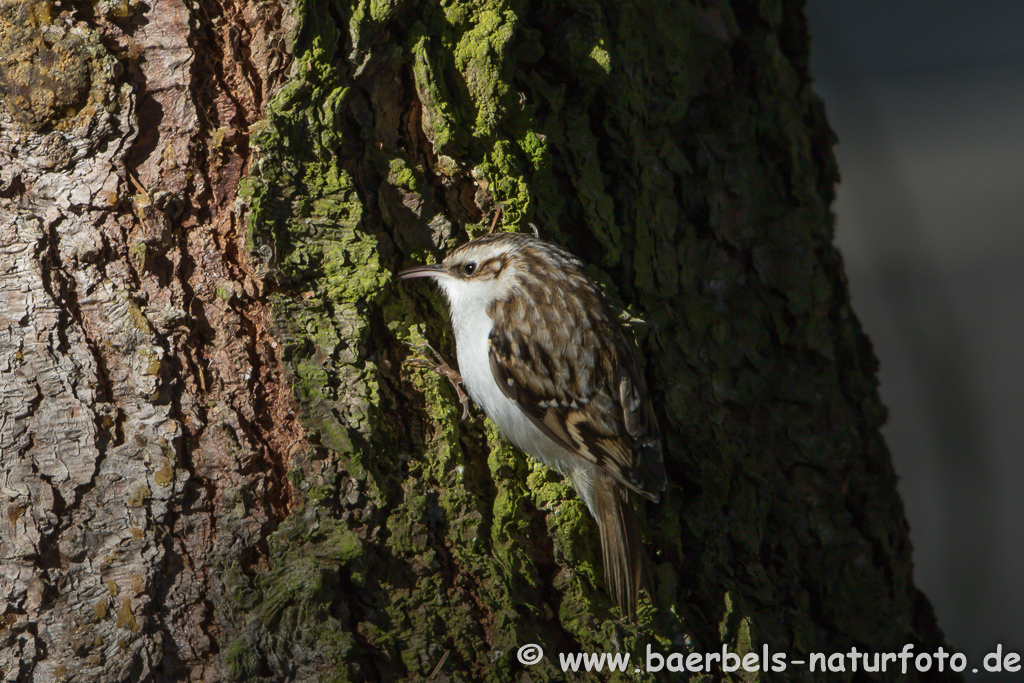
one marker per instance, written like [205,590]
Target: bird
[541,351]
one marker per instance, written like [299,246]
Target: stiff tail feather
[626,568]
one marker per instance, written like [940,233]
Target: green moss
[507,182]
[479,57]
[401,175]
[241,660]
[441,123]
[670,146]
[301,599]
[601,59]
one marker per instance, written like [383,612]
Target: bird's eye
[469,268]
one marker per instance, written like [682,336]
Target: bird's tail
[626,568]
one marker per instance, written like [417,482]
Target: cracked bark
[215,463]
[138,389]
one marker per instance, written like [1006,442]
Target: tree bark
[217,463]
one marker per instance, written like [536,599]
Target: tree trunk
[217,463]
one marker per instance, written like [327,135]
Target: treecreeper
[540,350]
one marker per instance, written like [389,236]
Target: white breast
[472,327]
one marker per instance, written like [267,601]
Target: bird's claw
[441,367]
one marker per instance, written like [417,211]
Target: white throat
[468,303]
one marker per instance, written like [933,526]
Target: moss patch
[678,149]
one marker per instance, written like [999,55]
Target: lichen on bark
[679,150]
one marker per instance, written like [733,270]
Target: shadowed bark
[217,463]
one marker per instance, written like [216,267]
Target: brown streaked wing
[598,428]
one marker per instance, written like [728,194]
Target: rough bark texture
[167,515]
[144,422]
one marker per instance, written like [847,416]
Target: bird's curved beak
[422,271]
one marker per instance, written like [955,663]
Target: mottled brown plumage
[542,353]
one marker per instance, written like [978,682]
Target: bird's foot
[441,367]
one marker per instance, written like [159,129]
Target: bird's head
[484,270]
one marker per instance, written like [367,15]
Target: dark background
[927,98]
